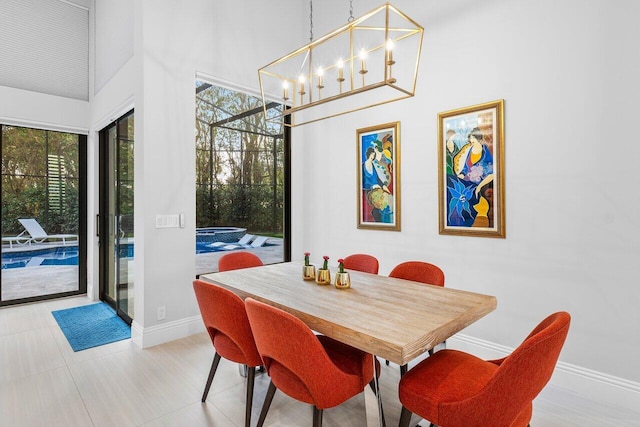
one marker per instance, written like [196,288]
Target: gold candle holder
[363,65]
[320,84]
[390,61]
[340,78]
[323,277]
[302,91]
[308,272]
[343,281]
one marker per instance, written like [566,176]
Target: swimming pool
[48,256]
[66,255]
[219,234]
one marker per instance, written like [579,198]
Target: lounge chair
[38,234]
[20,239]
[257,243]
[242,242]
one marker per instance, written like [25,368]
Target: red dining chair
[237,260]
[418,271]
[361,262]
[310,368]
[455,389]
[225,318]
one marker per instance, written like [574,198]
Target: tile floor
[44,383]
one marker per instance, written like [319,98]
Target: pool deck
[271,253]
[51,279]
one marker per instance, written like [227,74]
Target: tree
[239,169]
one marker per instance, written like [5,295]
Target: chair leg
[372,384]
[251,376]
[317,417]
[267,403]
[212,372]
[403,370]
[405,417]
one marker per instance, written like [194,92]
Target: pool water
[49,256]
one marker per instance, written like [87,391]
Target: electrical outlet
[162,312]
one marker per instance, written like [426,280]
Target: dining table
[392,318]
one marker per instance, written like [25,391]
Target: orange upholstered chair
[225,318]
[310,368]
[418,271]
[456,389]
[237,260]
[361,262]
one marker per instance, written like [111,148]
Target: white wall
[173,42]
[568,74]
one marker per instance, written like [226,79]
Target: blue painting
[471,190]
[378,188]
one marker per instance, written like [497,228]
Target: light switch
[167,221]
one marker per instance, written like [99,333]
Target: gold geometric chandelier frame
[370,61]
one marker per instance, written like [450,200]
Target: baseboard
[591,384]
[165,332]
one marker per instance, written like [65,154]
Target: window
[241,170]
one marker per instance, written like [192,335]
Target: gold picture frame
[378,186]
[471,171]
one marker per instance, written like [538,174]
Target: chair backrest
[362,262]
[244,240]
[33,227]
[238,260]
[419,271]
[293,356]
[520,376]
[225,318]
[259,241]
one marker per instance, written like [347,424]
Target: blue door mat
[91,326]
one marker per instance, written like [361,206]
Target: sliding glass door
[116,216]
[43,192]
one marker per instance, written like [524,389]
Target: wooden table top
[392,318]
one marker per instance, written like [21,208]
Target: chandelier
[370,61]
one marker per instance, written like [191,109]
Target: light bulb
[390,44]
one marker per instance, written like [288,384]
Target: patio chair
[38,234]
[257,243]
[242,242]
[20,239]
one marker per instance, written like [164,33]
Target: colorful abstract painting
[471,181]
[379,177]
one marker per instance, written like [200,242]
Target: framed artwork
[378,157]
[471,170]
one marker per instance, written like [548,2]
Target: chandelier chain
[310,20]
[351,18]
